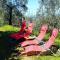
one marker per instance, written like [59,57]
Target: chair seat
[33,48]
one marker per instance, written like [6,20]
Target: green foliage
[10,9]
[47,12]
[1,22]
[35,32]
[57,40]
[47,36]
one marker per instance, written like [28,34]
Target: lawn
[9,28]
[40,58]
[6,30]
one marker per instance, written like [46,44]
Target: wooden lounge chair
[20,32]
[36,49]
[38,39]
[29,31]
[24,33]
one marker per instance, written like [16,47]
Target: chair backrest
[42,32]
[22,33]
[29,30]
[23,27]
[51,39]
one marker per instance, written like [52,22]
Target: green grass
[9,28]
[39,58]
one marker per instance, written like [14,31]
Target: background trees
[12,8]
[48,12]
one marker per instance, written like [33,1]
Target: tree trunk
[10,17]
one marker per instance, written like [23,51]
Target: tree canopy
[48,11]
[12,8]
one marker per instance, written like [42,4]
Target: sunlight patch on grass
[40,58]
[9,28]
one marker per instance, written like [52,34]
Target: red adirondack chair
[23,32]
[14,36]
[37,39]
[35,49]
[29,31]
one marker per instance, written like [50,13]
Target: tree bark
[10,17]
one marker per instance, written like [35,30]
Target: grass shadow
[7,45]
